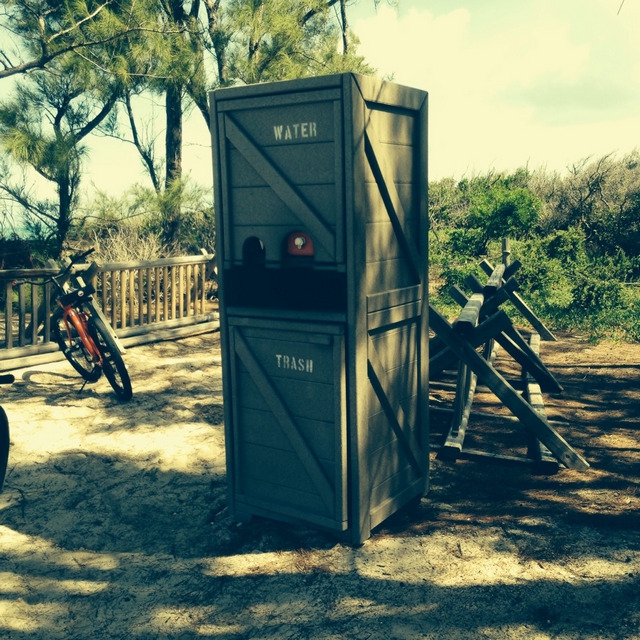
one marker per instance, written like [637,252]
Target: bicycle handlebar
[7,378]
[61,276]
[84,254]
[63,272]
[74,260]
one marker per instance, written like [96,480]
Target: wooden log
[512,268]
[529,360]
[459,295]
[507,394]
[535,322]
[537,450]
[495,281]
[501,295]
[511,341]
[506,251]
[446,358]
[465,391]
[468,318]
[485,414]
[524,308]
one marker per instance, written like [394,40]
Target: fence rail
[144,301]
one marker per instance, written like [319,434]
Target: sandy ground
[113,521]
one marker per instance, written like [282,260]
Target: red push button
[299,244]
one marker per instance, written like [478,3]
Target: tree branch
[145,152]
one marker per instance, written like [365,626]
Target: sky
[542,83]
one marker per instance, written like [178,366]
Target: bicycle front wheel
[74,349]
[113,365]
[4,445]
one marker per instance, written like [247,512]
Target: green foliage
[180,217]
[577,238]
[149,219]
[484,208]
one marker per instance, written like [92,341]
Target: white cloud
[540,83]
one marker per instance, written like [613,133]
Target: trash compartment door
[288,419]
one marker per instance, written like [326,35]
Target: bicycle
[81,333]
[4,434]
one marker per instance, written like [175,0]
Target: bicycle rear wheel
[4,445]
[75,351]
[113,365]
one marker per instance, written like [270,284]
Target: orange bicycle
[83,336]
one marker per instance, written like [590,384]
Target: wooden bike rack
[471,344]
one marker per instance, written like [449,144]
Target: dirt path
[113,522]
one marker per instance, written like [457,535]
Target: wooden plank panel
[375,210]
[173,300]
[283,468]
[401,163]
[260,205]
[393,298]
[122,285]
[181,292]
[392,487]
[47,316]
[167,293]
[280,95]
[395,126]
[382,242]
[149,282]
[291,120]
[384,178]
[8,315]
[389,461]
[394,315]
[297,506]
[22,314]
[380,435]
[388,274]
[292,162]
[395,413]
[285,420]
[202,283]
[158,302]
[397,346]
[261,428]
[285,191]
[378,92]
[160,262]
[302,399]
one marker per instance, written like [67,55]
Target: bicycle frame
[71,315]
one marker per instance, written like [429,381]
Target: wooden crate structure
[321,222]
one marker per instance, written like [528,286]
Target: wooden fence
[144,302]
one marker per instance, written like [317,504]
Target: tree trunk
[173,138]
[345,27]
[64,212]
